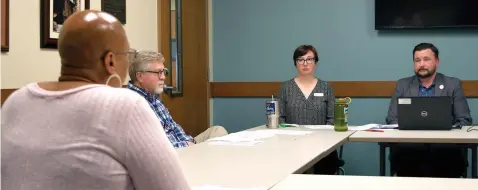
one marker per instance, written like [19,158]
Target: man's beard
[159,89]
[156,89]
[428,74]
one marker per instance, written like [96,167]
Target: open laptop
[425,113]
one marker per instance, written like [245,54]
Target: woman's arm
[282,103]
[151,160]
[329,116]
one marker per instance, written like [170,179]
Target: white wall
[26,62]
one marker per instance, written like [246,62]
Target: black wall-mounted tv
[420,14]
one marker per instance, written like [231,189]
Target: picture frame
[52,15]
[117,8]
[5,25]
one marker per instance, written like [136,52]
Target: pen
[374,130]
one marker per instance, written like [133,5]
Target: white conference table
[261,165]
[466,138]
[339,182]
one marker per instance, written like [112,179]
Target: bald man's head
[92,45]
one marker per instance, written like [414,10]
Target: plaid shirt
[175,133]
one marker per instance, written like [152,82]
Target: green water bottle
[341,109]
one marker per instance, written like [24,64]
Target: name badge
[319,94]
[404,101]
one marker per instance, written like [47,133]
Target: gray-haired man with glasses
[147,75]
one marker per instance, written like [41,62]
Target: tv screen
[404,14]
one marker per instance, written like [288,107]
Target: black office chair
[341,162]
[465,174]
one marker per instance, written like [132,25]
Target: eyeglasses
[303,61]
[131,54]
[158,73]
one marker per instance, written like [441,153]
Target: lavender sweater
[91,137]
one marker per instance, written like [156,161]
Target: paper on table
[387,129]
[258,134]
[250,143]
[363,127]
[380,126]
[290,125]
[374,126]
[353,128]
[252,136]
[285,132]
[244,136]
[393,126]
[232,138]
[217,187]
[331,127]
[318,126]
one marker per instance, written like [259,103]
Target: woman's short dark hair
[302,50]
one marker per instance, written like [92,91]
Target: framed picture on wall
[117,8]
[53,14]
[5,26]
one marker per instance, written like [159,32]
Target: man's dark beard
[428,74]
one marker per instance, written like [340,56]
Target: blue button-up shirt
[175,133]
[424,91]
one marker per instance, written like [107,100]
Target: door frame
[164,35]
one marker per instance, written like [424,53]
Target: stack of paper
[373,126]
[250,138]
[244,138]
[363,127]
[259,134]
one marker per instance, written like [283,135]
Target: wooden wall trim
[5,93]
[358,89]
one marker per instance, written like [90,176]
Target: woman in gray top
[307,100]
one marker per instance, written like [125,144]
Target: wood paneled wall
[358,89]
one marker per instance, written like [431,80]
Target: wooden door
[191,109]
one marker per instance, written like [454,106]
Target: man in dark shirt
[429,160]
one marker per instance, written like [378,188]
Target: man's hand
[190,143]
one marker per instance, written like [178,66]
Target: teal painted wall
[253,40]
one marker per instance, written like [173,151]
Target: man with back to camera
[436,160]
[147,75]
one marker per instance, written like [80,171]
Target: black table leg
[382,159]
[474,161]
